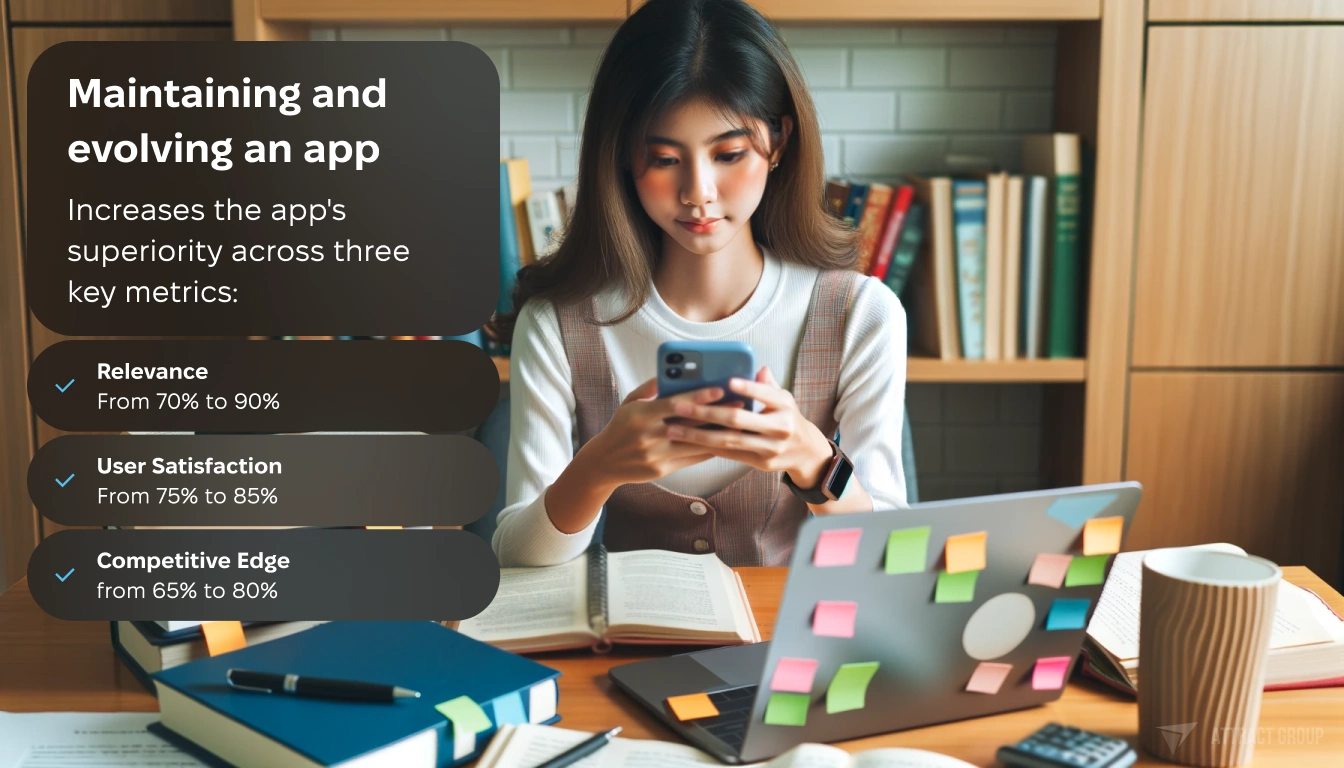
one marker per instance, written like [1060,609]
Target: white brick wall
[891,100]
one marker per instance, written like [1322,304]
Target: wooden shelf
[927,370]
[391,12]
[932,370]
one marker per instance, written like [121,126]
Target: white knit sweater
[541,444]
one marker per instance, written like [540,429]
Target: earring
[774,165]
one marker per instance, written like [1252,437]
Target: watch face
[840,477]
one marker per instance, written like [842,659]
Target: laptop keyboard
[734,707]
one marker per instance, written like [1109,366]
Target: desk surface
[52,665]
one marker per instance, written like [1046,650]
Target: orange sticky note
[1101,535]
[223,636]
[966,552]
[692,706]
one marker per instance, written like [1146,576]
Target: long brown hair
[667,53]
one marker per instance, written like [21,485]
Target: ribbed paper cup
[1204,626]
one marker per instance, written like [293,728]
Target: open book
[1306,646]
[527,746]
[646,596]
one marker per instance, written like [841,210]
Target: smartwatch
[834,478]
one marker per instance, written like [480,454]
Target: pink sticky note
[834,618]
[794,675]
[1049,570]
[988,677]
[1050,672]
[839,546]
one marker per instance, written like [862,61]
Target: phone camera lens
[674,373]
[675,357]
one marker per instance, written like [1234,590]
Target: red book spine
[887,244]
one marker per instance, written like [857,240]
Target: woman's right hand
[634,447]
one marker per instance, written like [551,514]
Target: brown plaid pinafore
[755,519]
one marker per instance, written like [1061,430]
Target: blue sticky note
[1068,613]
[1074,511]
[509,710]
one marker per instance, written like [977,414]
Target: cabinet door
[1241,213]
[1249,458]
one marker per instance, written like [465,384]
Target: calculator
[1062,746]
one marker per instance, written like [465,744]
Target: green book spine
[1063,329]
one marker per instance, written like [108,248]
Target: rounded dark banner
[263,386]
[297,575]
[263,480]
[366,204]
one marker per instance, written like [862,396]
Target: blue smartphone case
[688,365]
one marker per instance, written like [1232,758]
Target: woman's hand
[777,438]
[633,447]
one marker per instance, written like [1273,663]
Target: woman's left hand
[777,438]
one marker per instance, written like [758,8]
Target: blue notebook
[243,728]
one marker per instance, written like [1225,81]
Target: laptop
[878,651]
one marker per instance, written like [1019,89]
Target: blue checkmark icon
[66,576]
[67,385]
[62,483]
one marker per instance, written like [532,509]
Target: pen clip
[228,677]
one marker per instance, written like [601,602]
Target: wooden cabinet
[1249,458]
[1241,219]
[1240,267]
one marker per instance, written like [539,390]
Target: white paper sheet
[86,740]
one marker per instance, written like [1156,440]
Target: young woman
[699,217]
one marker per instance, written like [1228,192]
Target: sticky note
[1049,570]
[988,677]
[1068,613]
[787,709]
[509,710]
[541,702]
[955,587]
[966,552]
[907,550]
[466,714]
[1073,511]
[1086,571]
[834,618]
[692,706]
[464,743]
[223,636]
[849,686]
[794,675]
[839,546]
[1101,535]
[1050,673]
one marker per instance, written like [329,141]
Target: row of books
[890,223]
[1000,276]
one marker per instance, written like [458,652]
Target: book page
[903,757]
[1115,622]
[811,756]
[669,589]
[531,745]
[535,602]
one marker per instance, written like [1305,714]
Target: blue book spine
[858,197]
[969,201]
[510,260]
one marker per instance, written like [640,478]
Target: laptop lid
[872,643]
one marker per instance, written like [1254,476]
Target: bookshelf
[1097,94]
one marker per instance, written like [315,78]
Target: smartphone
[688,365]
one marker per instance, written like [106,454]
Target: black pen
[318,687]
[581,750]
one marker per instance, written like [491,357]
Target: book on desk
[224,725]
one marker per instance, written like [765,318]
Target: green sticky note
[1086,570]
[849,685]
[465,714]
[955,587]
[907,550]
[787,709]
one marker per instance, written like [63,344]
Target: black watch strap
[833,479]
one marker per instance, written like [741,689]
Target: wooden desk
[48,664]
